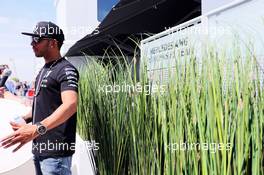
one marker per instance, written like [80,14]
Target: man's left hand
[22,136]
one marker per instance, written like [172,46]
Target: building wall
[245,29]
[208,5]
[77,18]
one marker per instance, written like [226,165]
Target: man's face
[40,46]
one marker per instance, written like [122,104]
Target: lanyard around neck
[41,77]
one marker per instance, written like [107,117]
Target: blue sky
[19,16]
[16,17]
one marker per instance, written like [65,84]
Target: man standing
[54,107]
[4,91]
[8,90]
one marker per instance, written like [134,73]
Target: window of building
[104,7]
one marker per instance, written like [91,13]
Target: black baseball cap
[45,29]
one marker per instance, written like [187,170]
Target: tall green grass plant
[207,119]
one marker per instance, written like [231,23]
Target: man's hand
[22,136]
[2,91]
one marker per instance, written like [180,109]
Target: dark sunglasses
[38,39]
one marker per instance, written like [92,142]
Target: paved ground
[27,169]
